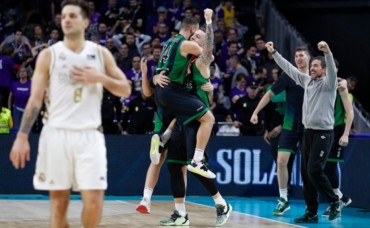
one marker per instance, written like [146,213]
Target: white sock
[284,193]
[198,155]
[338,193]
[180,207]
[220,200]
[148,193]
[166,136]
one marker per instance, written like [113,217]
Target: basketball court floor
[33,211]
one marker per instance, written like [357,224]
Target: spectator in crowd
[111,113]
[228,128]
[134,77]
[240,88]
[136,16]
[122,58]
[243,111]
[237,68]
[188,12]
[146,51]
[94,20]
[102,33]
[110,46]
[215,81]
[54,37]
[56,24]
[19,93]
[141,114]
[152,63]
[220,49]
[227,14]
[249,59]
[7,69]
[232,36]
[109,13]
[6,122]
[22,48]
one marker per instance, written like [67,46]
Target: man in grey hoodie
[318,119]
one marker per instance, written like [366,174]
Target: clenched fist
[270,46]
[323,46]
[208,15]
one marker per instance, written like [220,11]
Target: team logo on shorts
[42,177]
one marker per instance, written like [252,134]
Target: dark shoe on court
[201,169]
[308,217]
[282,207]
[176,220]
[155,156]
[335,209]
[345,201]
[223,213]
[326,213]
[144,206]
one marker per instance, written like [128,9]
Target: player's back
[70,105]
[172,61]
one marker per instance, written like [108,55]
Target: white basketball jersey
[70,105]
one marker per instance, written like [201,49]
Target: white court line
[255,216]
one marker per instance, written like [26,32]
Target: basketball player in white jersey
[72,151]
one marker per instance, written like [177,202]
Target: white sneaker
[176,220]
[144,206]
[201,169]
[155,156]
[223,213]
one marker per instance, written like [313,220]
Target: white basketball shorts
[71,159]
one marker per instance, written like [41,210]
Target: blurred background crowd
[136,29]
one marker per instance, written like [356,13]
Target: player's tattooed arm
[207,56]
[28,119]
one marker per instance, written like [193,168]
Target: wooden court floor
[117,213]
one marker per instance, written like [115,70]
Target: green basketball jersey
[172,61]
[339,111]
[193,83]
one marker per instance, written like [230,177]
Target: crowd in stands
[135,29]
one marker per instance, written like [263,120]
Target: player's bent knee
[207,117]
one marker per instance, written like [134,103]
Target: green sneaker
[282,207]
[223,213]
[308,217]
[176,220]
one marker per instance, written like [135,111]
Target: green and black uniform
[183,139]
[273,117]
[336,152]
[292,132]
[174,98]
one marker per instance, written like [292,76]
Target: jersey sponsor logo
[90,57]
[62,56]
